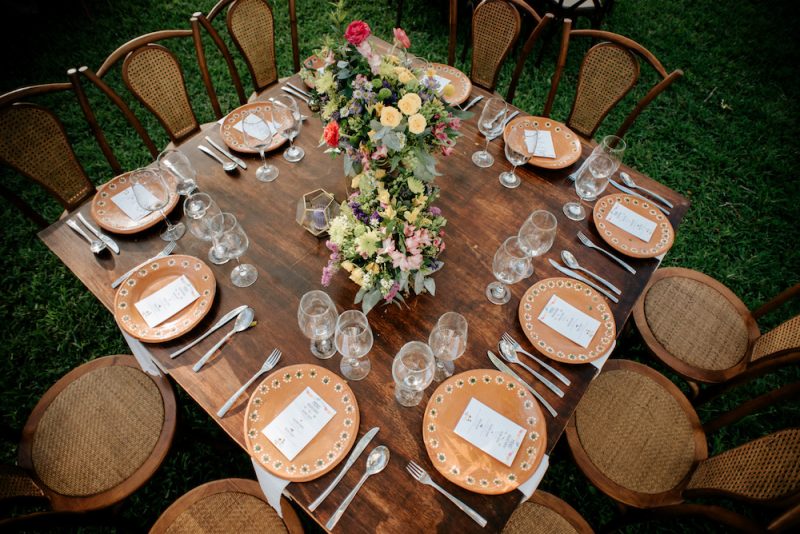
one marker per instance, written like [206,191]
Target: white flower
[340,227]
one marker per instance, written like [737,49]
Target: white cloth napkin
[271,485]
[528,487]
[146,361]
[600,362]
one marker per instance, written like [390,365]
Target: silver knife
[294,93]
[473,102]
[110,243]
[507,370]
[222,322]
[576,276]
[227,154]
[637,195]
[166,252]
[302,92]
[357,450]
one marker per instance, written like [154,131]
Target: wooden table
[481,215]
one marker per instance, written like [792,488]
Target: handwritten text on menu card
[126,201]
[569,321]
[630,221]
[261,129]
[540,142]
[299,423]
[490,431]
[167,301]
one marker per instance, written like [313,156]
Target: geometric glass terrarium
[316,210]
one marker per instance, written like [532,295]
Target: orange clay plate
[458,80]
[111,218]
[314,63]
[461,462]
[553,344]
[630,245]
[235,138]
[328,448]
[566,144]
[152,277]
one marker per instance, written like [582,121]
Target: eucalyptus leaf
[359,295]
[392,141]
[370,300]
[419,283]
[430,285]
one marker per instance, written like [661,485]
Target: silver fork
[166,252]
[269,363]
[420,475]
[518,348]
[511,357]
[588,242]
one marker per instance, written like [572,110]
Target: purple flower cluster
[359,213]
[329,270]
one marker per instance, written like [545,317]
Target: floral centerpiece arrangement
[388,122]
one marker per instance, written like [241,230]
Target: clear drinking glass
[152,193]
[613,146]
[290,121]
[490,124]
[448,341]
[537,234]
[412,370]
[317,316]
[517,155]
[200,208]
[510,265]
[178,165]
[592,181]
[231,242]
[353,341]
[258,135]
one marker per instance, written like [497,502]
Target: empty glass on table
[232,243]
[178,165]
[517,154]
[200,208]
[353,341]
[510,265]
[537,233]
[290,120]
[490,124]
[316,316]
[448,341]
[591,181]
[152,193]
[258,134]
[412,370]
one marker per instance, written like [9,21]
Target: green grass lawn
[725,136]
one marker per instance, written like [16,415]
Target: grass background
[725,136]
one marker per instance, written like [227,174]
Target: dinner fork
[166,252]
[421,476]
[269,363]
[518,348]
[511,357]
[588,242]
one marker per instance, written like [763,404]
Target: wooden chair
[638,439]
[698,328]
[608,72]
[544,513]
[94,438]
[232,505]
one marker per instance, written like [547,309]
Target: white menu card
[569,321]
[490,431]
[540,142]
[261,129]
[630,221]
[167,301]
[126,201]
[441,80]
[299,423]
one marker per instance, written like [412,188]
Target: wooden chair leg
[399,13]
[788,519]
[469,34]
[786,392]
[694,388]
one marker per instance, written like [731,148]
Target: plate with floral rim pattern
[660,242]
[109,217]
[566,144]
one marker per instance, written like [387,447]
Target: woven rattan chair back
[495,29]
[252,27]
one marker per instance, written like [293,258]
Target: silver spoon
[376,461]
[227,166]
[243,322]
[572,263]
[95,245]
[627,180]
[509,355]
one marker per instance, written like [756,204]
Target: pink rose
[447,150]
[357,32]
[401,38]
[331,134]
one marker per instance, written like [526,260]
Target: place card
[490,431]
[262,129]
[441,80]
[631,222]
[569,321]
[126,201]
[167,301]
[540,142]
[298,423]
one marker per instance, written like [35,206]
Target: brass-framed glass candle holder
[316,210]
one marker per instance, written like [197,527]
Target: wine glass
[490,124]
[317,316]
[200,208]
[152,193]
[613,146]
[231,242]
[516,156]
[510,265]
[537,234]
[353,339]
[448,341]
[412,370]
[178,165]
[592,181]
[258,134]
[290,120]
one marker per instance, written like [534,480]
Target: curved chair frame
[562,508]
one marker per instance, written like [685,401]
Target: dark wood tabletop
[481,214]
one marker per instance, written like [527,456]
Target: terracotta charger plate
[150,278]
[458,79]
[111,218]
[462,463]
[566,144]
[660,242]
[328,448]
[555,345]
[313,62]
[235,138]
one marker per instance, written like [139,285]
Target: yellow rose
[390,116]
[380,173]
[410,103]
[416,124]
[357,276]
[449,91]
[373,268]
[348,266]
[406,76]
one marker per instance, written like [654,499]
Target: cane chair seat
[544,513]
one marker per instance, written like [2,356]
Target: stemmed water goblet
[353,339]
[591,181]
[291,123]
[537,233]
[510,265]
[316,317]
[448,341]
[490,124]
[517,155]
[178,165]
[200,208]
[258,134]
[152,193]
[412,370]
[232,242]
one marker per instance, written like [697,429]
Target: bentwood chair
[698,328]
[610,69]
[639,441]
[229,506]
[544,513]
[94,438]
